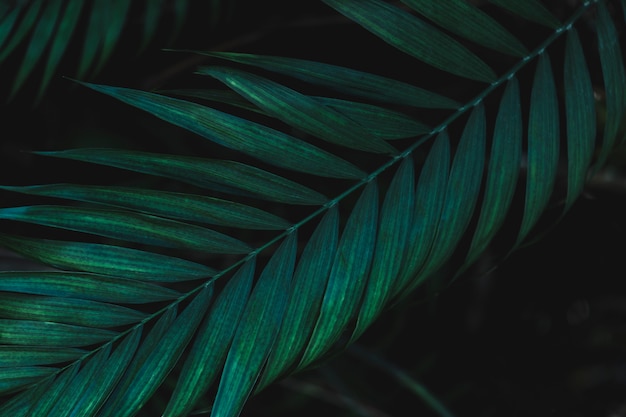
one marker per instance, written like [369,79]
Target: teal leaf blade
[580,117]
[470,22]
[39,333]
[127,226]
[310,279]
[229,176]
[462,190]
[236,133]
[357,83]
[299,110]
[15,378]
[39,41]
[66,310]
[92,389]
[348,276]
[429,200]
[503,170]
[391,245]
[415,37]
[210,348]
[256,332]
[36,355]
[178,206]
[158,363]
[543,146]
[614,76]
[93,257]
[84,286]
[530,9]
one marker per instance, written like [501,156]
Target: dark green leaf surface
[44,396]
[357,83]
[529,9]
[309,283]
[36,355]
[543,145]
[21,31]
[414,37]
[580,116]
[208,352]
[74,389]
[392,243]
[236,133]
[98,388]
[60,41]
[38,43]
[256,332]
[14,378]
[180,206]
[429,199]
[92,257]
[462,190]
[378,121]
[503,170]
[206,173]
[131,227]
[38,333]
[348,275]
[84,286]
[160,361]
[470,22]
[299,110]
[614,80]
[66,310]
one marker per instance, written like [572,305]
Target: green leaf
[378,121]
[60,41]
[37,333]
[462,190]
[414,37]
[299,110]
[84,286]
[73,389]
[429,199]
[208,352]
[147,377]
[180,206]
[468,21]
[503,170]
[90,389]
[44,399]
[309,284]
[108,260]
[580,117]
[39,41]
[15,378]
[614,76]
[25,26]
[36,355]
[356,83]
[391,245]
[66,310]
[205,173]
[348,276]
[531,10]
[256,332]
[543,146]
[233,132]
[127,226]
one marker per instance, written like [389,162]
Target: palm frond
[40,34]
[358,222]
